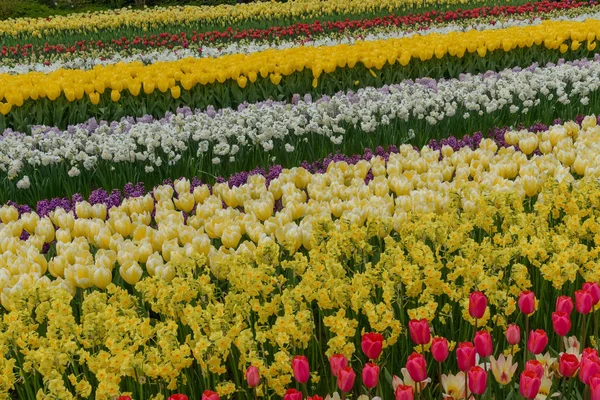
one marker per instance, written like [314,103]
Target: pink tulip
[568,364]
[561,323]
[477,380]
[372,344]
[252,376]
[417,367]
[370,375]
[465,356]
[588,368]
[404,392]
[346,378]
[483,343]
[583,302]
[564,304]
[337,362]
[594,289]
[536,367]
[210,395]
[301,369]
[538,340]
[595,387]
[292,394]
[527,302]
[419,331]
[477,305]
[529,385]
[513,334]
[439,349]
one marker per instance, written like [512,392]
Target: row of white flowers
[252,46]
[227,134]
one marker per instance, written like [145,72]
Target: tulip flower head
[527,302]
[561,323]
[536,367]
[537,342]
[588,367]
[503,369]
[465,356]
[178,397]
[513,334]
[315,397]
[439,349]
[124,398]
[337,362]
[370,375]
[529,384]
[346,377]
[477,380]
[372,344]
[301,369]
[595,386]
[583,302]
[594,290]
[564,304]
[477,305]
[417,367]
[483,343]
[404,392]
[292,394]
[210,395]
[252,376]
[419,331]
[568,365]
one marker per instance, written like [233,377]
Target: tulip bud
[419,331]
[537,342]
[123,398]
[252,376]
[483,343]
[477,305]
[439,349]
[568,364]
[210,395]
[404,392]
[417,367]
[477,380]
[527,302]
[370,375]
[372,344]
[513,334]
[583,302]
[465,356]
[561,323]
[346,378]
[178,397]
[564,304]
[301,369]
[292,394]
[593,289]
[337,362]
[535,367]
[529,385]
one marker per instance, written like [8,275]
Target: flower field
[302,200]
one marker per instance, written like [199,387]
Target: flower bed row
[217,143]
[197,42]
[189,303]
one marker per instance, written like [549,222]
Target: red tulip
[568,364]
[370,375]
[346,378]
[538,340]
[337,362]
[588,367]
[315,397]
[513,334]
[372,344]
[583,302]
[536,367]
[419,331]
[527,302]
[252,376]
[477,380]
[404,392]
[178,397]
[292,394]
[123,398]
[210,395]
[417,367]
[594,289]
[465,356]
[439,349]
[564,304]
[483,343]
[529,385]
[477,305]
[301,369]
[561,323]
[590,354]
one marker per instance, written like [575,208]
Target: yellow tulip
[275,79]
[115,95]
[94,98]
[242,81]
